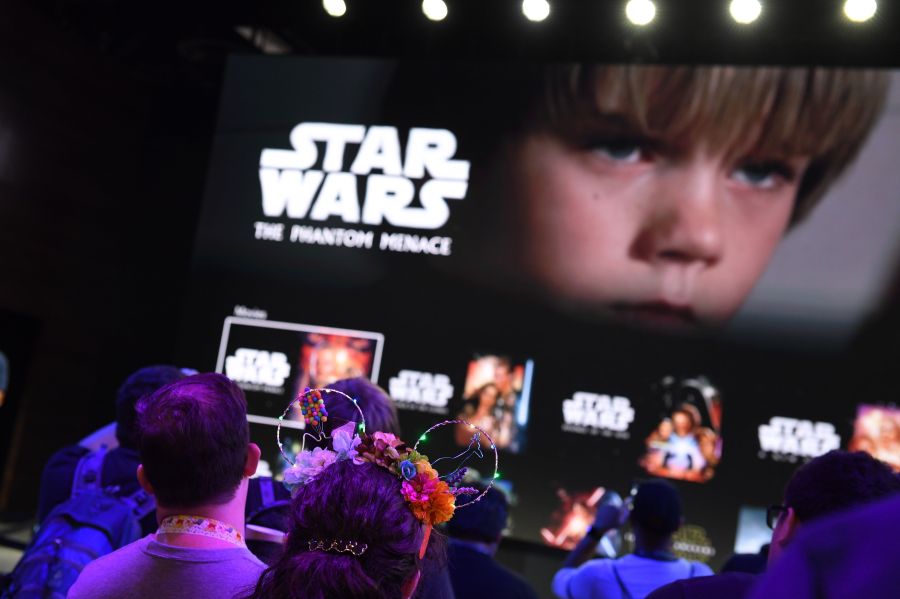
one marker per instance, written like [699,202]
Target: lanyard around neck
[202,526]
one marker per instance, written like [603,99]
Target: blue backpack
[94,521]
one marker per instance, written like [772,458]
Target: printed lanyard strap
[198,525]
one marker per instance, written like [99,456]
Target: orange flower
[424,467]
[429,499]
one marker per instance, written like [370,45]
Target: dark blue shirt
[477,575]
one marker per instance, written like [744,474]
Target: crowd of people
[174,511]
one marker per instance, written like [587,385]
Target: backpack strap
[88,471]
[625,593]
[693,567]
[87,478]
[141,503]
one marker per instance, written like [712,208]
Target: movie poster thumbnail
[271,361]
[686,443]
[877,432]
[495,398]
[572,518]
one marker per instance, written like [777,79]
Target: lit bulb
[745,11]
[335,8]
[436,10]
[859,11]
[535,10]
[640,12]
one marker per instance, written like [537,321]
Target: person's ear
[791,524]
[142,479]
[253,455]
[408,588]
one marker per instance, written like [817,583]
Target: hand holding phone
[611,512]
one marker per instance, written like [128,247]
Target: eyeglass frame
[774,514]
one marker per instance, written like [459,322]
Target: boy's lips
[658,313]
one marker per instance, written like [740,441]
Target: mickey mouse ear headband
[430,495]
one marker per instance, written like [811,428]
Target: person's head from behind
[194,442]
[375,403]
[659,193]
[139,384]
[352,502]
[655,515]
[482,522]
[827,484]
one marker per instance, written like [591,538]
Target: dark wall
[101,173]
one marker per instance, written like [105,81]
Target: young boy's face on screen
[647,228]
[658,194]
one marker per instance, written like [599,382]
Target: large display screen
[618,271]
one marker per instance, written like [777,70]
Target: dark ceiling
[167,36]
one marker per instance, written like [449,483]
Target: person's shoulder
[105,576]
[517,585]
[701,569]
[251,561]
[57,477]
[68,456]
[570,582]
[125,553]
[734,585]
[595,568]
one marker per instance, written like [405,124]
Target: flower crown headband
[431,496]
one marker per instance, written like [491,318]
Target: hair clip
[338,546]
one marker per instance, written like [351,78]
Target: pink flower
[430,499]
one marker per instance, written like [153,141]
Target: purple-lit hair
[192,439]
[349,502]
[375,403]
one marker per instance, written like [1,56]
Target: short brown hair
[192,438]
[823,113]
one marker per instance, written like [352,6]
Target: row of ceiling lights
[639,12]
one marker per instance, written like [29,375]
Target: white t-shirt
[640,576]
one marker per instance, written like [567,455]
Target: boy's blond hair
[759,112]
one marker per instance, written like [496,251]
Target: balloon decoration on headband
[315,415]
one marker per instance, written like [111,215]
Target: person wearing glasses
[830,483]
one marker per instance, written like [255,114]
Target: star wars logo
[258,370]
[594,414]
[790,439]
[305,183]
[421,391]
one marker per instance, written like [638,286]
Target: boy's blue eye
[627,152]
[764,175]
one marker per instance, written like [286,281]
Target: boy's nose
[683,220]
